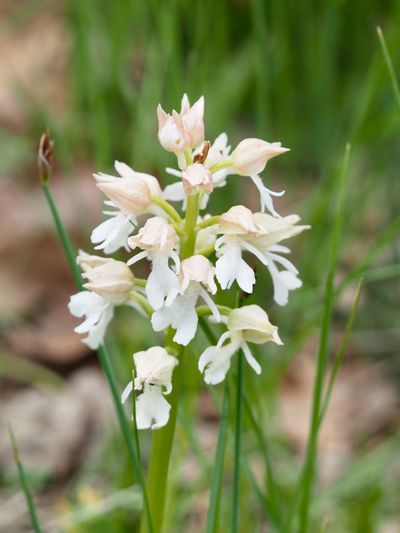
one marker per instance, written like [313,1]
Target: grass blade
[389,64]
[270,498]
[341,352]
[238,430]
[216,483]
[24,483]
[308,473]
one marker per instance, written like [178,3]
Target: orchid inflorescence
[181,250]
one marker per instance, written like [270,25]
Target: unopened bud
[45,157]
[193,120]
[109,278]
[132,192]
[251,155]
[254,324]
[238,220]
[172,134]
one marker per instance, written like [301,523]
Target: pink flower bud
[193,120]
[195,177]
[131,192]
[251,155]
[108,278]
[172,132]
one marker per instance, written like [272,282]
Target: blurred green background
[309,74]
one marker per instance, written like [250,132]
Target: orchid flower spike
[108,284]
[258,234]
[129,195]
[158,240]
[153,376]
[196,277]
[249,323]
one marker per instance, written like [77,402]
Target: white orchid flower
[245,324]
[196,277]
[108,284]
[258,234]
[113,233]
[158,241]
[153,374]
[130,195]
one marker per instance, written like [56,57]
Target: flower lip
[251,155]
[239,220]
[254,324]
[155,235]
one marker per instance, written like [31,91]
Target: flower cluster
[193,256]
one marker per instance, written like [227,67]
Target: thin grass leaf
[24,483]
[216,483]
[237,451]
[104,359]
[389,234]
[30,372]
[362,471]
[340,353]
[389,64]
[308,473]
[270,498]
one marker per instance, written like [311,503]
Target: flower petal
[152,409]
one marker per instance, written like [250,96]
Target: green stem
[64,238]
[204,310]
[219,166]
[238,429]
[189,238]
[142,301]
[208,222]
[161,448]
[24,483]
[163,438]
[216,483]
[167,207]
[104,359]
[139,282]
